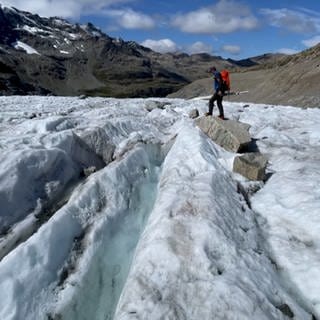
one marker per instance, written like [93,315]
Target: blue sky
[229,28]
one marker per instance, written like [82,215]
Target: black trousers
[218,98]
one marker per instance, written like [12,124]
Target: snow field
[203,251]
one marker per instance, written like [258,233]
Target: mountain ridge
[52,56]
[288,80]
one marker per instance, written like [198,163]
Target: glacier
[163,231]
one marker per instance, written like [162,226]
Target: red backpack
[225,80]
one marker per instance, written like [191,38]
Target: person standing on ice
[218,93]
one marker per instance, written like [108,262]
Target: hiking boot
[222,117]
[208,114]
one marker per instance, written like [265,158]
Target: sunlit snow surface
[164,224]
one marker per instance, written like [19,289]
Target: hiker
[218,93]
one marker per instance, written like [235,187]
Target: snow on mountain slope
[161,232]
[25,47]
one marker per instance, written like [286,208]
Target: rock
[151,105]
[251,165]
[286,310]
[194,114]
[99,142]
[229,134]
[88,171]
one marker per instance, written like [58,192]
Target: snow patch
[35,30]
[23,46]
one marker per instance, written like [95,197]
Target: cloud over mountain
[224,17]
[130,19]
[232,49]
[162,45]
[303,21]
[62,8]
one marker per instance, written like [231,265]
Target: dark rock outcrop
[50,55]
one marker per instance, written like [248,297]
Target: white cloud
[231,49]
[199,47]
[62,8]
[287,51]
[311,42]
[303,21]
[46,8]
[130,19]
[224,17]
[167,45]
[126,18]
[162,46]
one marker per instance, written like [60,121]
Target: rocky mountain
[267,58]
[287,80]
[52,56]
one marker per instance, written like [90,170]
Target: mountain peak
[70,59]
[52,55]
